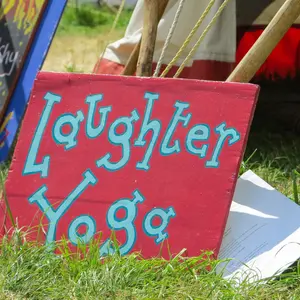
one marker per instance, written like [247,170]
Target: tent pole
[130,67]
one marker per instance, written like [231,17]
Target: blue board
[33,62]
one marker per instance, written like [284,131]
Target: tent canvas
[237,29]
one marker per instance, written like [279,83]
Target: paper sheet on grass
[262,232]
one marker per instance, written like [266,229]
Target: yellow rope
[188,39]
[196,46]
[120,10]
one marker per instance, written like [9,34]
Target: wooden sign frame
[35,56]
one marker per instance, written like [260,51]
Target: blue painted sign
[32,60]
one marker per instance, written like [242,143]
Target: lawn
[29,271]
[81,36]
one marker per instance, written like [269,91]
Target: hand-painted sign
[26,31]
[154,160]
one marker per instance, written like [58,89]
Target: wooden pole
[274,32]
[144,65]
[131,65]
[132,61]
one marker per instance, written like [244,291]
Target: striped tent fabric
[230,38]
[215,57]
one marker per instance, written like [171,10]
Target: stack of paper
[262,234]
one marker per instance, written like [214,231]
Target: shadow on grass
[275,132]
[273,153]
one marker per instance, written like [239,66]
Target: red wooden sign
[153,160]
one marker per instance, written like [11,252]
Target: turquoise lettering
[70,139]
[119,139]
[30,166]
[158,231]
[54,215]
[197,133]
[233,137]
[154,126]
[85,238]
[126,223]
[165,148]
[92,131]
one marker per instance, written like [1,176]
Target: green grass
[90,20]
[29,271]
[276,158]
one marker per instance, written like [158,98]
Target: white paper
[262,235]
